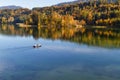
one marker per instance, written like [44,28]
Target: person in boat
[37,45]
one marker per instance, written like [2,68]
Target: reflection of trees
[96,37]
[14,31]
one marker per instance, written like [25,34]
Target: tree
[118,1]
[34,17]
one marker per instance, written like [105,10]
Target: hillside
[10,7]
[85,13]
[78,1]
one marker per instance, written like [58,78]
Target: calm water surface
[56,60]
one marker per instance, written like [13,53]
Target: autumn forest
[101,13]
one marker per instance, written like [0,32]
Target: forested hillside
[87,13]
[78,1]
[106,13]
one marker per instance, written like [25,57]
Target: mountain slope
[77,1]
[10,7]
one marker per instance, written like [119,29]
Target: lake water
[61,57]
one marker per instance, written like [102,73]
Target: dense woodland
[93,12]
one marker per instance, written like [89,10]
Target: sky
[31,3]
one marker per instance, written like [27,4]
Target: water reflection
[109,38]
[61,59]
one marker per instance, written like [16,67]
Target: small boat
[37,45]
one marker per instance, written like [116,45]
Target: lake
[66,54]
